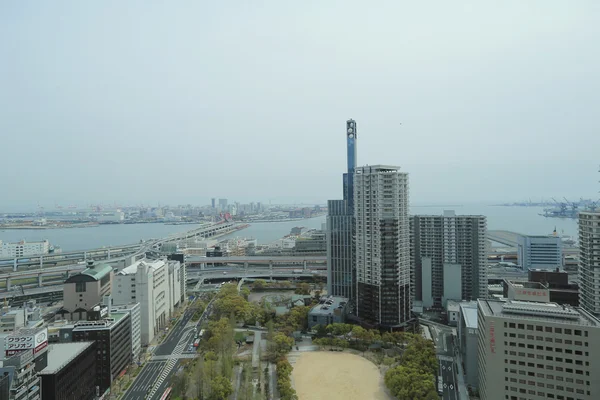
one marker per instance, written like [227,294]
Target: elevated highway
[110,253]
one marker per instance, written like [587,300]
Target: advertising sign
[19,342]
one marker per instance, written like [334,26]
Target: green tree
[303,288]
[408,383]
[259,284]
[220,388]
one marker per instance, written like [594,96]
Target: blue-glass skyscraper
[351,160]
[341,269]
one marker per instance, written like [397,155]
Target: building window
[79,287]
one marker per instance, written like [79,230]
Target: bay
[525,220]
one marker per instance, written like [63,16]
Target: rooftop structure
[329,310]
[61,354]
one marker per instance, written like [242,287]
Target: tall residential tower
[341,271]
[448,257]
[589,261]
[382,246]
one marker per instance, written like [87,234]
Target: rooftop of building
[61,354]
[108,322]
[468,310]
[452,306]
[97,271]
[543,312]
[132,269]
[378,168]
[526,284]
[328,305]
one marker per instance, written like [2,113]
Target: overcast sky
[179,101]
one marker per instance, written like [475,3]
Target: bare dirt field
[324,375]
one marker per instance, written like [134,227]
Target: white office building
[23,249]
[539,252]
[448,258]
[383,273]
[529,350]
[135,319]
[589,261]
[154,284]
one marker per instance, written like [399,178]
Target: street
[155,376]
[442,337]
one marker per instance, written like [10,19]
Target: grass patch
[241,336]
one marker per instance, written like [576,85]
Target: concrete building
[467,340]
[86,289]
[383,272]
[533,351]
[330,310]
[21,370]
[113,346]
[448,258]
[341,269]
[135,320]
[23,249]
[29,316]
[557,282]
[223,204]
[539,252]
[312,243]
[71,371]
[589,261]
[157,286]
[24,354]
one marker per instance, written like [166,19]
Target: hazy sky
[180,101]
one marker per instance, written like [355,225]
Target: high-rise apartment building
[534,351]
[448,257]
[341,268]
[589,261]
[382,246]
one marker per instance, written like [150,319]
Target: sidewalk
[463,394]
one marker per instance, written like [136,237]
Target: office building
[213,202]
[467,341]
[24,354]
[341,271]
[539,252]
[383,272]
[112,336]
[589,261]
[529,350]
[542,291]
[156,285]
[135,320]
[448,257]
[330,310]
[71,372]
[84,290]
[23,249]
[4,385]
[341,268]
[557,282]
[223,204]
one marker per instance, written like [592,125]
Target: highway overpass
[113,252]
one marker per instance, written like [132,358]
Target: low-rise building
[83,291]
[23,249]
[329,310]
[453,312]
[529,350]
[71,371]
[28,316]
[113,346]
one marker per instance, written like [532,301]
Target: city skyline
[86,112]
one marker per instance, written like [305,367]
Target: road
[442,337]
[156,375]
[448,375]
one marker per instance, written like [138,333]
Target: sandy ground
[325,375]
